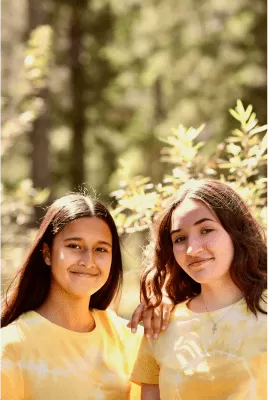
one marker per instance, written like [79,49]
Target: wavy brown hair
[249,265]
[32,282]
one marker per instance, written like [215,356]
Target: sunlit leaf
[235,114]
[248,112]
[233,140]
[258,129]
[250,125]
[240,108]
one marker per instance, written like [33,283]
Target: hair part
[32,282]
[248,269]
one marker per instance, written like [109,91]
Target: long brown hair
[34,278]
[249,265]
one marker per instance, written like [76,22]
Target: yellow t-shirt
[41,360]
[190,362]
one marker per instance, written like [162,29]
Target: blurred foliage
[17,201]
[145,66]
[37,59]
[16,209]
[239,161]
[38,56]
[16,222]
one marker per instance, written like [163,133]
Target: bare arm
[150,392]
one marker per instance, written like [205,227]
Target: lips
[84,273]
[199,261]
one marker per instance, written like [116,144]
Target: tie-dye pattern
[189,362]
[41,360]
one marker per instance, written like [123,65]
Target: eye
[74,246]
[206,230]
[101,250]
[179,239]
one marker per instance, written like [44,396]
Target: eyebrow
[196,223]
[79,239]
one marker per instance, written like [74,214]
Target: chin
[207,278]
[79,295]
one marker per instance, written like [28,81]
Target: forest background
[91,90]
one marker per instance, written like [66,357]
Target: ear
[46,254]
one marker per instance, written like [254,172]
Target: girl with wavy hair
[210,253]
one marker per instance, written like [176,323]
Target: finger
[136,317]
[157,321]
[166,310]
[147,321]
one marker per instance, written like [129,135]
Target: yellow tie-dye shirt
[41,360]
[190,362]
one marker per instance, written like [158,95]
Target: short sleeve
[146,369]
[11,376]
[130,342]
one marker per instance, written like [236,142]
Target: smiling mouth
[199,262]
[84,275]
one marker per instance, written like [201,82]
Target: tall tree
[77,86]
[39,134]
[90,75]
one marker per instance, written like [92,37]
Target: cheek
[62,259]
[226,244]
[226,250]
[231,251]
[104,261]
[179,254]
[64,256]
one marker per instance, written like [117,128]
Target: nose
[195,246]
[87,259]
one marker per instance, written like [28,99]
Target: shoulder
[11,341]
[20,330]
[115,327]
[180,311]
[12,347]
[117,323]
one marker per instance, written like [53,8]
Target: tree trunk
[40,169]
[78,121]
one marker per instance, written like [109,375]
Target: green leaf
[251,125]
[248,112]
[235,114]
[251,120]
[233,149]
[237,132]
[263,145]
[259,129]
[240,108]
[233,140]
[226,165]
[199,145]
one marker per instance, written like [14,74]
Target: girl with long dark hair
[58,339]
[210,252]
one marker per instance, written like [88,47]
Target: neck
[70,313]
[220,294]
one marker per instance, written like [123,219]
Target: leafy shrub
[239,161]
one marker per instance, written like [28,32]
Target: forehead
[87,226]
[190,211]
